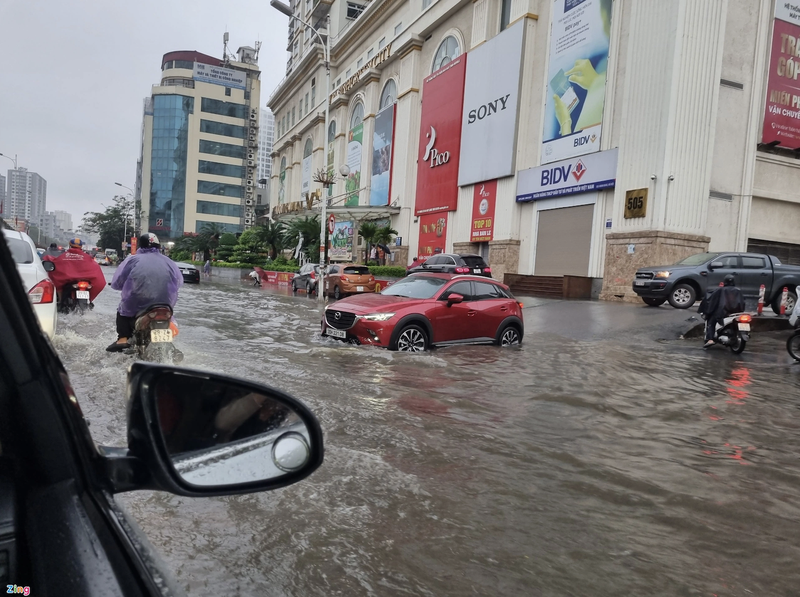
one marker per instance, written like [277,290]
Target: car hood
[671,268]
[373,302]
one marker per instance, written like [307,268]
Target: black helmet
[54,246]
[148,240]
[729,280]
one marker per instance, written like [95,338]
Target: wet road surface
[599,458]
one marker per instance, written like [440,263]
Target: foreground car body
[191,275]
[426,310]
[41,291]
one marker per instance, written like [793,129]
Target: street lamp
[14,159]
[133,196]
[326,46]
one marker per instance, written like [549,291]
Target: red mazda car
[425,310]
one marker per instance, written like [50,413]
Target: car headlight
[664,274]
[377,316]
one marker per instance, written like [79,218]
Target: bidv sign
[578,175]
[436,158]
[558,174]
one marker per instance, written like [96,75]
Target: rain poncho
[724,301]
[76,266]
[145,279]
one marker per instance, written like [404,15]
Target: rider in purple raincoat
[145,279]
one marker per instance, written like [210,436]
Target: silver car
[306,278]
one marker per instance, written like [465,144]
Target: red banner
[483,202]
[782,116]
[440,138]
[432,234]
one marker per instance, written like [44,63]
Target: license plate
[160,335]
[359,289]
[82,294]
[333,332]
[744,327]
[477,271]
[639,283]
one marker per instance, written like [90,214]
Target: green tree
[273,235]
[369,232]
[112,224]
[384,236]
[227,242]
[309,229]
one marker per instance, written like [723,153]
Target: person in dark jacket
[720,304]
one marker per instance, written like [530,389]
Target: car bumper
[47,315]
[191,277]
[348,288]
[652,288]
[370,333]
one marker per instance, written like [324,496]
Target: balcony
[321,8]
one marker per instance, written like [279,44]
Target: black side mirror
[715,265]
[49,266]
[198,434]
[454,299]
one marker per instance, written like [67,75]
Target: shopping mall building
[578,138]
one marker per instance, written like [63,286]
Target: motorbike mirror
[716,265]
[207,434]
[49,266]
[454,299]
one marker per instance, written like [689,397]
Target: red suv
[426,310]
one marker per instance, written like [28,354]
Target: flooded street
[588,461]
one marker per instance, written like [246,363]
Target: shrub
[387,271]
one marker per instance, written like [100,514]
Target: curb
[759,324]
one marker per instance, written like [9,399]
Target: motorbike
[793,342]
[153,335]
[75,297]
[734,332]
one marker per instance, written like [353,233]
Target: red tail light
[345,279]
[43,292]
[521,306]
[84,285]
[462,270]
[372,278]
[487,269]
[744,318]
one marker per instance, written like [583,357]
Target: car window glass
[698,259]
[462,288]
[433,260]
[416,286]
[334,269]
[20,250]
[357,270]
[753,262]
[473,261]
[447,260]
[486,290]
[729,261]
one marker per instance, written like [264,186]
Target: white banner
[306,176]
[489,120]
[219,76]
[577,175]
[788,11]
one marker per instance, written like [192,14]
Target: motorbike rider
[724,301]
[75,265]
[145,279]
[51,253]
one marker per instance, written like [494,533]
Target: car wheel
[654,302]
[294,286]
[309,288]
[793,345]
[791,300]
[412,338]
[509,336]
[336,293]
[682,296]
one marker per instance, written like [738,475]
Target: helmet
[75,243]
[149,240]
[53,246]
[729,280]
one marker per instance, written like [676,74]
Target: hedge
[381,271]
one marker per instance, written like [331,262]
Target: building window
[354,10]
[332,131]
[216,208]
[219,188]
[189,64]
[382,43]
[218,128]
[233,228]
[426,4]
[313,93]
[347,74]
[359,63]
[228,91]
[223,149]
[370,53]
[389,94]
[306,102]
[398,28]
[300,108]
[358,115]
[505,14]
[213,106]
[308,148]
[292,116]
[338,81]
[448,50]
[206,167]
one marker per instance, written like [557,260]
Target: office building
[26,196]
[199,144]
[2,196]
[266,138]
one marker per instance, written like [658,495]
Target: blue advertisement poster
[381,178]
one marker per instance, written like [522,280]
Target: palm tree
[368,231]
[384,237]
[309,229]
[272,234]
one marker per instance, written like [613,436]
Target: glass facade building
[219,209]
[168,165]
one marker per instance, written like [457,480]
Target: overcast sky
[74,75]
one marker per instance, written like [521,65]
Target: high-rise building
[2,196]
[266,137]
[199,144]
[26,196]
[63,220]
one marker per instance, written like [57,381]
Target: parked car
[33,272]
[191,275]
[306,278]
[424,310]
[452,263]
[343,279]
[102,259]
[688,280]
[62,531]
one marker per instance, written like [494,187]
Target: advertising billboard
[432,234]
[354,150]
[305,186]
[489,118]
[483,202]
[219,76]
[569,177]
[440,139]
[381,179]
[341,242]
[579,40]
[782,109]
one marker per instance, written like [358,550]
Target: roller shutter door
[563,241]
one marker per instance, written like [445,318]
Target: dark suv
[451,263]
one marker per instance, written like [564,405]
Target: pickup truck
[689,280]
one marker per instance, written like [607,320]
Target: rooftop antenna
[258,49]
[225,38]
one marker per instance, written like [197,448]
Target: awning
[359,213]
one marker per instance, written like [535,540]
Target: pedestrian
[207,268]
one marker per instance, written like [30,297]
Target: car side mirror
[197,434]
[49,266]
[454,299]
[715,265]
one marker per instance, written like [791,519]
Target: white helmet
[149,240]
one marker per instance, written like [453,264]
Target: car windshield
[698,259]
[418,287]
[359,270]
[20,250]
[473,261]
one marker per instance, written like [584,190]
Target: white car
[41,291]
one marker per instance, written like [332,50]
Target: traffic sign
[331,223]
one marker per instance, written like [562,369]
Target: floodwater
[576,464]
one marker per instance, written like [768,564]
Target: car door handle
[471,313]
[764,273]
[504,308]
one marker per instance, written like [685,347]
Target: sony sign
[489,118]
